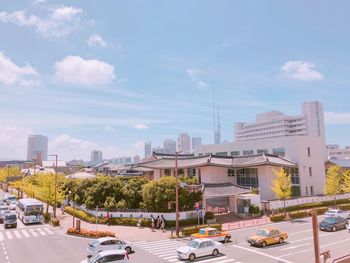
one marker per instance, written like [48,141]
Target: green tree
[282,186]
[346,181]
[334,179]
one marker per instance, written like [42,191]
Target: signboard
[197,207]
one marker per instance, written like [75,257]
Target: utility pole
[315,234]
[176,196]
[55,197]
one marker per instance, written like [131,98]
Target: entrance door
[241,203]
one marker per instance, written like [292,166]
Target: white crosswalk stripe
[21,233]
[166,250]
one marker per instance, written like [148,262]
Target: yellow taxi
[267,236]
[212,233]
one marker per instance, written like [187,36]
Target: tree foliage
[346,181]
[282,184]
[334,179]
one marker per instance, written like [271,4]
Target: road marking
[32,231]
[8,234]
[25,233]
[17,234]
[41,231]
[334,243]
[263,254]
[305,250]
[1,237]
[48,231]
[164,254]
[292,247]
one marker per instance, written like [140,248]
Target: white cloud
[301,70]
[76,70]
[36,2]
[96,41]
[13,142]
[60,21]
[14,75]
[140,126]
[194,75]
[337,118]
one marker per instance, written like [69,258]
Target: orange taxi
[212,233]
[267,236]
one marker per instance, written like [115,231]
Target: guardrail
[343,259]
[245,223]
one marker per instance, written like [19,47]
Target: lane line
[25,233]
[48,231]
[262,254]
[32,231]
[17,234]
[292,247]
[8,234]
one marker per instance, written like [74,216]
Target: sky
[112,75]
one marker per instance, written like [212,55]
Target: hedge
[298,214]
[344,207]
[277,218]
[89,233]
[186,231]
[55,222]
[315,205]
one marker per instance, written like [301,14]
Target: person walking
[162,224]
[139,222]
[152,223]
[158,222]
[107,217]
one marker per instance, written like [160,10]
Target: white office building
[298,139]
[96,157]
[37,148]
[169,146]
[148,149]
[184,143]
[334,151]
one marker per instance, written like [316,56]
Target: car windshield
[330,220]
[11,217]
[193,244]
[94,242]
[332,212]
[201,231]
[262,233]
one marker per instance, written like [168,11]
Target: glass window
[221,153]
[230,172]
[181,172]
[279,151]
[310,171]
[167,172]
[311,190]
[247,177]
[202,245]
[261,151]
[212,232]
[235,153]
[248,152]
[208,243]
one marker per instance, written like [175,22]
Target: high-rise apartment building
[148,149]
[184,143]
[334,151]
[37,148]
[136,158]
[196,142]
[169,146]
[275,124]
[96,157]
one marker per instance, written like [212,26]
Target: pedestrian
[152,223]
[107,217]
[162,224]
[158,222]
[139,222]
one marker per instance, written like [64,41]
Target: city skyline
[98,78]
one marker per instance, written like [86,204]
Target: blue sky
[111,75]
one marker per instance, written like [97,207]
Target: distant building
[184,143]
[37,148]
[136,159]
[196,142]
[169,146]
[96,157]
[120,160]
[334,150]
[148,149]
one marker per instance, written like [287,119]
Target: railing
[343,259]
[245,223]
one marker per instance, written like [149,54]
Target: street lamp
[176,196]
[55,198]
[72,192]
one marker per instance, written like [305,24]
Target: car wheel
[128,249]
[263,244]
[227,239]
[215,252]
[281,240]
[192,257]
[334,229]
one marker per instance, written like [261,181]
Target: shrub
[254,209]
[90,233]
[47,217]
[344,207]
[321,210]
[298,214]
[277,218]
[186,231]
[55,222]
[209,215]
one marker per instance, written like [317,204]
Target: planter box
[211,221]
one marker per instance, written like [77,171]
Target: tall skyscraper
[184,143]
[148,149]
[196,142]
[137,158]
[96,157]
[37,148]
[169,146]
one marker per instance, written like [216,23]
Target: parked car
[10,198]
[213,234]
[10,220]
[13,205]
[333,223]
[4,198]
[3,211]
[107,243]
[336,213]
[199,247]
[111,256]
[267,236]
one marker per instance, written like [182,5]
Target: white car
[199,247]
[107,243]
[336,213]
[111,256]
[13,205]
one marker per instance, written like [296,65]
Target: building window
[230,172]
[247,177]
[311,190]
[279,151]
[191,172]
[306,191]
[181,172]
[308,151]
[235,153]
[261,151]
[294,175]
[310,171]
[248,152]
[222,153]
[167,172]
[295,191]
[199,176]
